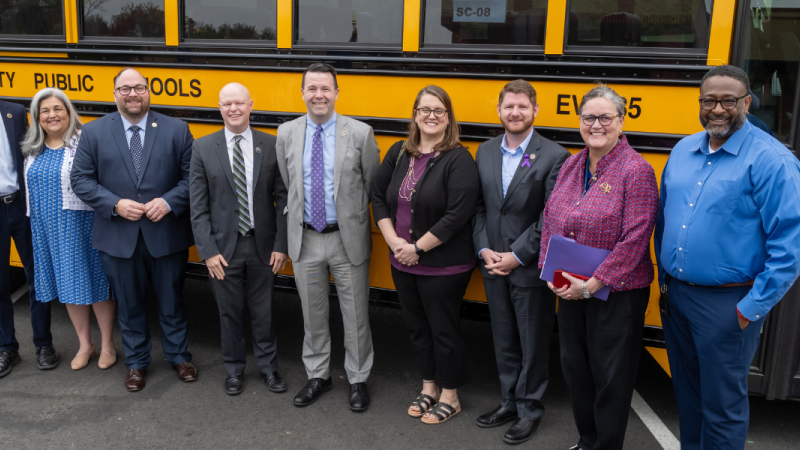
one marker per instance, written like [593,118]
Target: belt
[721,286]
[330,228]
[10,198]
[249,233]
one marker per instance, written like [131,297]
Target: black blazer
[214,206]
[443,202]
[514,222]
[15,121]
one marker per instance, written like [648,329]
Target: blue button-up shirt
[328,154]
[732,216]
[129,134]
[9,183]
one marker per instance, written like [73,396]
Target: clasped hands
[154,210]
[575,289]
[404,252]
[498,263]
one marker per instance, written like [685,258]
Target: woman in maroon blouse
[605,197]
[423,201]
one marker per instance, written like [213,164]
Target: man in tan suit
[328,162]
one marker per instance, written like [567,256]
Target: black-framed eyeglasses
[438,112]
[605,119]
[728,103]
[126,90]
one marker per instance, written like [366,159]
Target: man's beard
[144,106]
[723,132]
[526,125]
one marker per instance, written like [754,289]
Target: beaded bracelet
[740,314]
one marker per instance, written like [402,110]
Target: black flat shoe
[359,397]
[522,431]
[7,361]
[274,382]
[495,418]
[46,357]
[312,391]
[234,385]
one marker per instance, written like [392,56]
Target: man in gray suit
[328,162]
[517,174]
[237,202]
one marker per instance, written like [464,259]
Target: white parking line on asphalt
[653,423]
[19,293]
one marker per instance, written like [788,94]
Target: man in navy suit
[132,168]
[14,223]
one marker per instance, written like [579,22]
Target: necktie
[240,178]
[136,149]
[318,216]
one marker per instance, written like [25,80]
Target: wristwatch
[417,249]
[586,293]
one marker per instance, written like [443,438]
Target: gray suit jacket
[514,222]
[356,162]
[214,205]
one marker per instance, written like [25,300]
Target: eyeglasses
[126,90]
[438,112]
[605,119]
[728,103]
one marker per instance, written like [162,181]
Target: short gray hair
[33,143]
[603,91]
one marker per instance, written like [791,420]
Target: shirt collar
[142,123]
[247,135]
[523,145]
[327,127]
[732,145]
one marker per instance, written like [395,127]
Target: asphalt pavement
[90,408]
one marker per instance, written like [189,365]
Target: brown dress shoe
[186,371]
[134,381]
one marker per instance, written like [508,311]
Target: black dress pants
[246,264]
[432,310]
[601,342]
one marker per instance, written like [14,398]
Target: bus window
[232,19]
[771,46]
[42,17]
[493,22]
[639,23]
[123,18]
[366,21]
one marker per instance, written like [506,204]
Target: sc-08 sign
[485,11]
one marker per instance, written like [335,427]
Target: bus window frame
[617,50]
[505,49]
[40,38]
[738,50]
[341,46]
[222,43]
[116,40]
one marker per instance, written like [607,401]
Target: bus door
[768,48]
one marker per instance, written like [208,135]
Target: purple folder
[565,254]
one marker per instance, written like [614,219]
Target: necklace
[410,180]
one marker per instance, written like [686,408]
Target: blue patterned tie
[318,216]
[136,149]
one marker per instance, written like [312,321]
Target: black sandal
[443,413]
[424,402]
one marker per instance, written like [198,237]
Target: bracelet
[740,315]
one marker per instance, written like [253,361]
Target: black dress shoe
[274,382]
[496,417]
[234,385]
[46,357]
[7,361]
[521,431]
[312,391]
[359,397]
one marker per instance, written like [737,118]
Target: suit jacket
[15,120]
[514,223]
[214,204]
[356,162]
[103,173]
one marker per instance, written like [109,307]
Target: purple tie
[318,216]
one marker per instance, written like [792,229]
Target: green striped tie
[240,179]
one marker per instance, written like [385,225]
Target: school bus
[653,53]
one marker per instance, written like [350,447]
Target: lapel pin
[258,149]
[8,115]
[605,187]
[344,133]
[155,124]
[526,161]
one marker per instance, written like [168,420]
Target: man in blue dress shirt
[726,242]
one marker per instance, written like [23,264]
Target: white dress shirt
[246,144]
[8,173]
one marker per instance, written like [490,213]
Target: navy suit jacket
[103,173]
[15,119]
